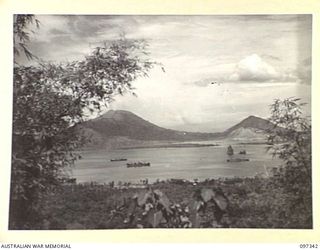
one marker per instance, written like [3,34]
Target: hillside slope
[122,123]
[119,127]
[250,129]
[252,122]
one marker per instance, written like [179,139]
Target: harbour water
[166,163]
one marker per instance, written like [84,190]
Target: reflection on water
[184,163]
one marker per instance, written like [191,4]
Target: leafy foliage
[100,206]
[49,100]
[156,210]
[21,35]
[251,203]
[107,71]
[42,141]
[291,142]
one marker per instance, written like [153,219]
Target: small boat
[237,160]
[118,159]
[138,164]
[230,150]
[242,152]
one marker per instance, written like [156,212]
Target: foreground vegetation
[238,203]
[49,100]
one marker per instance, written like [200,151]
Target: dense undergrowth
[223,203]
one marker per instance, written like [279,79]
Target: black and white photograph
[161,121]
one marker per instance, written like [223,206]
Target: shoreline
[177,145]
[147,183]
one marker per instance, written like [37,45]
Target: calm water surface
[186,163]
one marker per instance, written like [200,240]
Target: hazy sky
[254,59]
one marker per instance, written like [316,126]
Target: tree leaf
[143,197]
[207,194]
[195,220]
[157,217]
[163,200]
[221,201]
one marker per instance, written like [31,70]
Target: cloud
[172,41]
[253,68]
[196,51]
[173,104]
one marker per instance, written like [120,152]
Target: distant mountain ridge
[121,127]
[252,122]
[126,124]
